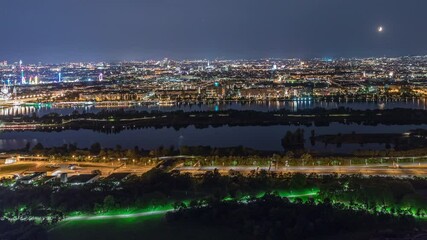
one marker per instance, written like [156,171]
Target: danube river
[257,137]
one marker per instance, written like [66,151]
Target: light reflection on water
[257,106]
[263,138]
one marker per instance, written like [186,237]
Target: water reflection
[258,137]
[296,105]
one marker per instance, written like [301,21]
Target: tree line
[118,120]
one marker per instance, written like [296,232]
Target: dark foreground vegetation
[335,203]
[379,194]
[21,230]
[273,217]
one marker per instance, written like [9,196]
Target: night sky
[93,30]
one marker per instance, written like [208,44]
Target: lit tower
[273,70]
[100,77]
[59,77]
[22,76]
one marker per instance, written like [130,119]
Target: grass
[17,167]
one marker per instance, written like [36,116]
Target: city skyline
[68,31]
[215,119]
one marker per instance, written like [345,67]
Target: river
[257,137]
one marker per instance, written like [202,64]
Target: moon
[380,29]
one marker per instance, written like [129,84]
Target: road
[25,167]
[404,170]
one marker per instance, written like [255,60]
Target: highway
[404,170]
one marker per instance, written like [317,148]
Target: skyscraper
[22,77]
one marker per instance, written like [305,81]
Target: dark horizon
[55,31]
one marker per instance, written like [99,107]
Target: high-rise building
[22,77]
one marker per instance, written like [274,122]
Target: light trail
[118,216]
[302,195]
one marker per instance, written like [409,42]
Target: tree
[290,155]
[313,138]
[109,203]
[293,140]
[95,148]
[306,158]
[298,181]
[184,150]
[72,147]
[131,153]
[27,146]
[38,148]
[118,148]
